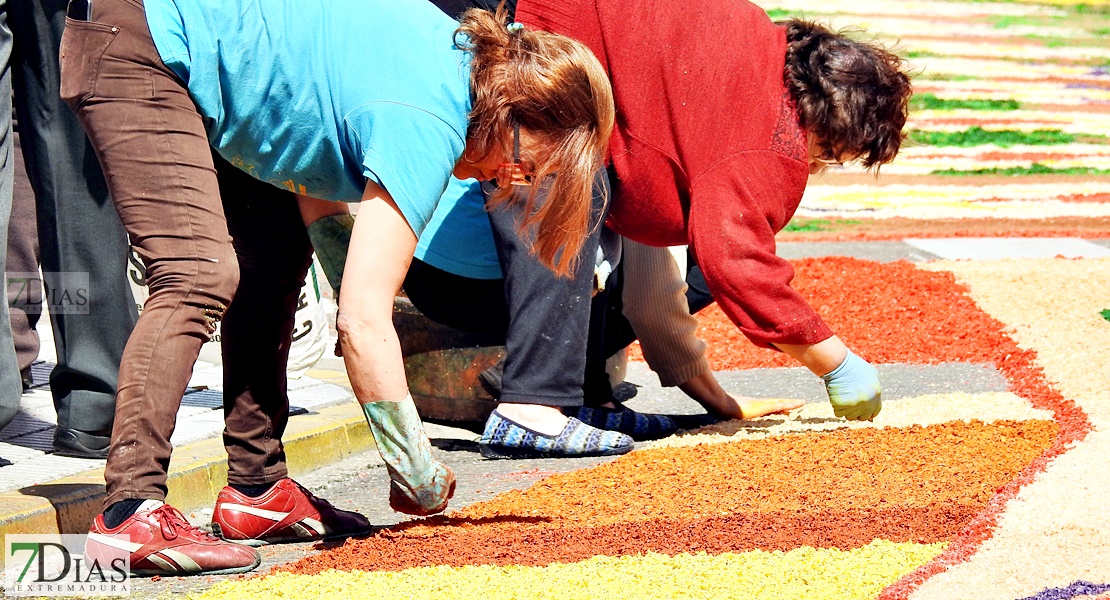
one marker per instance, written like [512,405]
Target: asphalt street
[360,483]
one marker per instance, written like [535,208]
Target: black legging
[543,318]
[476,303]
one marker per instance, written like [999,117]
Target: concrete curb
[197,473]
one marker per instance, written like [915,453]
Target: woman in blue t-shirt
[308,105]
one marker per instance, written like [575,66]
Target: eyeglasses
[830,157]
[517,172]
[828,160]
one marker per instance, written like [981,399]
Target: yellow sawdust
[805,573]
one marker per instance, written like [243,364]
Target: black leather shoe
[491,379]
[78,444]
[27,378]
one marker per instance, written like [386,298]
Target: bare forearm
[372,354]
[821,358]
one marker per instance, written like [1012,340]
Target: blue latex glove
[854,389]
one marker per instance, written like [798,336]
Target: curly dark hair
[853,95]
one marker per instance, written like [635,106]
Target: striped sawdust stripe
[1020,200]
[911,8]
[838,489]
[928,409]
[1011,550]
[1074,122]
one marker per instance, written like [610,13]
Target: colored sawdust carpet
[834,490]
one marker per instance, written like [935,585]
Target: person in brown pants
[309,106]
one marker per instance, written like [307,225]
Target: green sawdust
[778,14]
[1097,8]
[1007,21]
[1092,9]
[931,102]
[1058,42]
[1005,138]
[806,225]
[1105,314]
[1097,29]
[1034,169]
[944,77]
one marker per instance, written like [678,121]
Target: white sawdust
[1057,530]
[930,409]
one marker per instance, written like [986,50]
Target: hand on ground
[428,498]
[753,408]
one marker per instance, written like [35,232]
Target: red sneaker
[161,541]
[285,513]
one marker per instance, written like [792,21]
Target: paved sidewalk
[41,492]
[27,440]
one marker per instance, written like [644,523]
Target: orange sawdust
[841,489]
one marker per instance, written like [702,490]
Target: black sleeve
[455,8]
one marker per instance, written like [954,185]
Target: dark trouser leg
[548,315]
[618,332]
[152,145]
[79,230]
[697,291]
[606,322]
[274,254]
[24,282]
[10,386]
[474,305]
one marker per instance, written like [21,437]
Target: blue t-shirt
[317,96]
[459,238]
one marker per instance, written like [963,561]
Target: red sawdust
[897,313]
[537,546]
[885,312]
[841,489]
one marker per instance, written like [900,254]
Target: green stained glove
[420,484]
[854,389]
[330,238]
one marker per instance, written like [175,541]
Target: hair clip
[514,27]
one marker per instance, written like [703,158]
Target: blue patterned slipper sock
[503,438]
[640,426]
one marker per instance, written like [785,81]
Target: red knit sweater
[707,148]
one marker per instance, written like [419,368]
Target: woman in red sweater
[722,116]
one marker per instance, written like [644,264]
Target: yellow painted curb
[198,471]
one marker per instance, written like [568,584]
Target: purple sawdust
[1079,588]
